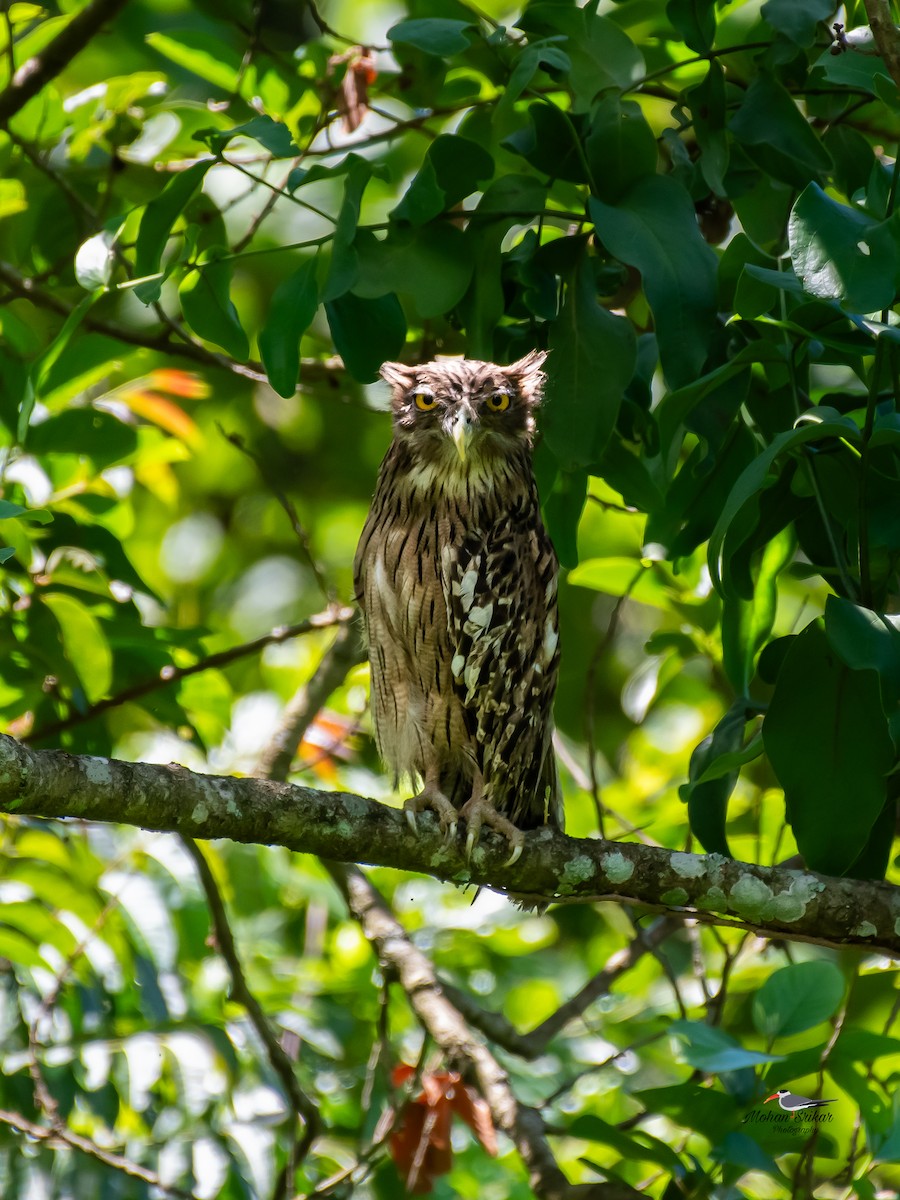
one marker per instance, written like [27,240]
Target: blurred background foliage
[215,223]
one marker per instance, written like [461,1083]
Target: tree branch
[772,901]
[884,31]
[37,72]
[170,674]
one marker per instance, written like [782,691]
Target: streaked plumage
[457,581]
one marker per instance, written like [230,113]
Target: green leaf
[562,512]
[827,739]
[343,269]
[207,307]
[746,624]
[366,333]
[695,20]
[290,315]
[435,35]
[551,142]
[86,646]
[707,102]
[797,19]
[654,229]
[593,358]
[156,226]
[797,997]
[454,167]
[707,801]
[620,147]
[868,641]
[779,137]
[40,370]
[840,253]
[636,1145]
[207,56]
[754,478]
[432,265]
[273,135]
[859,69]
[714,1051]
[602,54]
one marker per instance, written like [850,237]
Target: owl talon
[478,812]
[434,799]
[516,854]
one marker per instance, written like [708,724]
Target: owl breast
[417,713]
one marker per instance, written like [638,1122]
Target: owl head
[461,412]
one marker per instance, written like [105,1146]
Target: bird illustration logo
[792,1103]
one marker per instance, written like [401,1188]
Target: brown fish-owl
[457,581]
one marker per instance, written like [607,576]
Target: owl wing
[500,585]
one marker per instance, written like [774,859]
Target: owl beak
[461,432]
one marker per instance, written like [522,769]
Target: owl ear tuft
[526,373]
[398,375]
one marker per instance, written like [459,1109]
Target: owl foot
[478,812]
[432,797]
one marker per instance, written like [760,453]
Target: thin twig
[336,615]
[241,994]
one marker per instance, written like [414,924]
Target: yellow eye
[498,402]
[425,402]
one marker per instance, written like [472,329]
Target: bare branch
[170,674]
[60,1132]
[772,901]
[885,33]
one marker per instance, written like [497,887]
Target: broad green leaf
[797,19]
[551,142]
[797,997]
[432,265]
[827,738]
[637,1144]
[712,1112]
[8,509]
[620,147]
[207,56]
[40,370]
[85,642]
[695,20]
[343,270]
[654,229]
[366,333]
[740,1150]
[710,114]
[273,135]
[868,641]
[290,315]
[435,35]
[840,253]
[746,624]
[562,511]
[755,477]
[781,140]
[713,1051]
[156,227]
[207,306]
[593,357]
[454,167]
[707,801]
[602,54]
[860,69]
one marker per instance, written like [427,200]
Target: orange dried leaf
[164,413]
[179,383]
[474,1111]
